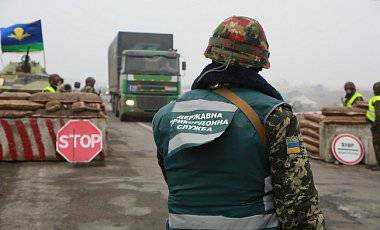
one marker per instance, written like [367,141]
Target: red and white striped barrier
[34,139]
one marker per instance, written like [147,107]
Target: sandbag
[19,105]
[309,124]
[14,96]
[362,105]
[78,106]
[310,133]
[314,117]
[53,106]
[43,97]
[312,149]
[94,106]
[311,141]
[15,113]
[342,111]
[345,120]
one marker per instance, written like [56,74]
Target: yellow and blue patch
[293,145]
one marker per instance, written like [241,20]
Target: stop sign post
[79,141]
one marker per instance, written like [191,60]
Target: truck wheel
[123,117]
[117,112]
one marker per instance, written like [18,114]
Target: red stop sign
[79,141]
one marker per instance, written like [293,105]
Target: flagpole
[44,59]
[1,54]
[42,34]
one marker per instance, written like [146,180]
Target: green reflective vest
[218,172]
[49,89]
[371,108]
[351,101]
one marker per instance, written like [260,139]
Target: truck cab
[148,81]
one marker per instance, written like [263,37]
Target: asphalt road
[128,192]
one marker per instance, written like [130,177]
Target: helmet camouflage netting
[240,40]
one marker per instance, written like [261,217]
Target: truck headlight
[130,102]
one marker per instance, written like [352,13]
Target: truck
[143,73]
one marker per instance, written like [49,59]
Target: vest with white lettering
[217,170]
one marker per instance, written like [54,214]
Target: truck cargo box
[132,41]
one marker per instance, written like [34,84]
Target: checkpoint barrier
[320,130]
[34,139]
[29,123]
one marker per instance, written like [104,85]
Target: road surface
[128,192]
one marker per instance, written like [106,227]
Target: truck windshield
[152,65]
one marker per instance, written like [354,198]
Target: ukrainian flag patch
[293,145]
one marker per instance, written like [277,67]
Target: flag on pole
[22,37]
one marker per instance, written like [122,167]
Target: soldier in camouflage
[373,115]
[89,86]
[242,41]
[238,45]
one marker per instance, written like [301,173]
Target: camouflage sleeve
[295,196]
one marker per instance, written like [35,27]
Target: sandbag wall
[310,127]
[29,122]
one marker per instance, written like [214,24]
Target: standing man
[230,149]
[373,115]
[352,96]
[54,80]
[89,85]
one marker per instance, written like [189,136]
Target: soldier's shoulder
[279,114]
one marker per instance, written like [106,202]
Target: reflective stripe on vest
[261,221]
[371,108]
[49,89]
[200,104]
[350,102]
[185,221]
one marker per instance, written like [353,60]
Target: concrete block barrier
[34,139]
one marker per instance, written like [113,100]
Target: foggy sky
[311,42]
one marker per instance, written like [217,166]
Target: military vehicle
[25,76]
[144,73]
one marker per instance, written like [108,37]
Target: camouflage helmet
[240,40]
[90,81]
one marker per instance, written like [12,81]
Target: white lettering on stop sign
[79,141]
[85,141]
